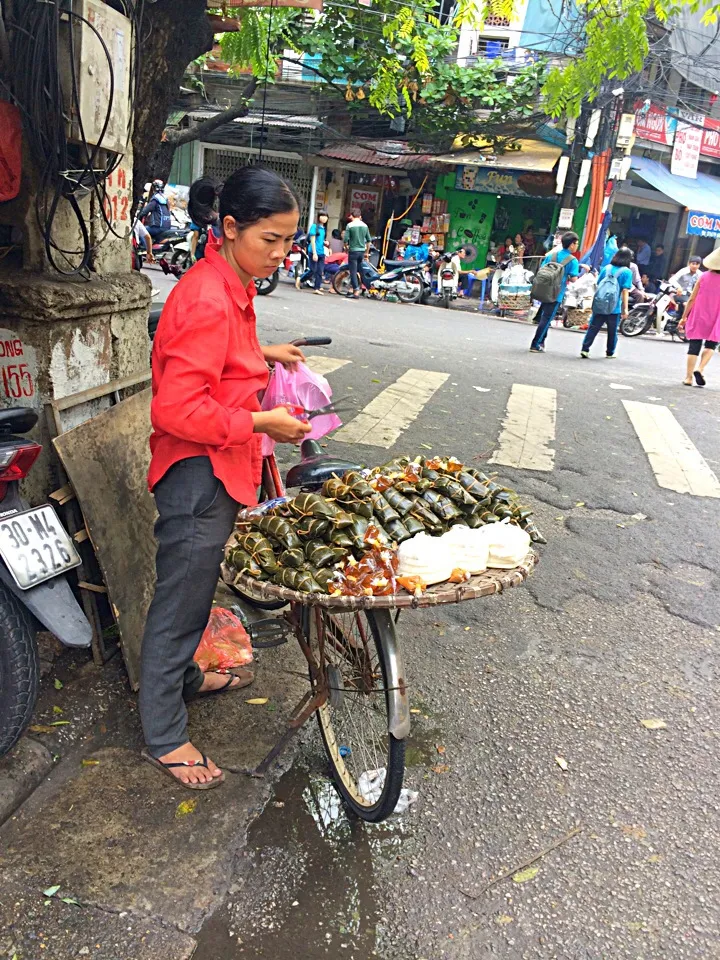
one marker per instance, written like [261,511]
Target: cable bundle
[42,40]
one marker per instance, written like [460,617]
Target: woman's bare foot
[214,681]
[192,773]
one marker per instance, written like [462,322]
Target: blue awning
[702,193]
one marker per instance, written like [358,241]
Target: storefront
[492,197]
[679,212]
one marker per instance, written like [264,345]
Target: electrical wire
[73,173]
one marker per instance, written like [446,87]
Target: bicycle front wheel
[367,761]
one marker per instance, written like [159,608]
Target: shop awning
[395,155]
[533,155]
[702,193]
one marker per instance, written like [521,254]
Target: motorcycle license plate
[36,547]
[294,258]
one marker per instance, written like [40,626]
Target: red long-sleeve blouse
[207,369]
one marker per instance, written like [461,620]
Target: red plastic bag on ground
[225,643]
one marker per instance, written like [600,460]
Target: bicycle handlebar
[312,342]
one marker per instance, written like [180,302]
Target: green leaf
[69,900]
[186,807]
[51,891]
[58,684]
[61,723]
[57,711]
[524,875]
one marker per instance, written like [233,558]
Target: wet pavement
[566,735]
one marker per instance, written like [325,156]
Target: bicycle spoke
[357,726]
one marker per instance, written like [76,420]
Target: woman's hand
[280,426]
[285,353]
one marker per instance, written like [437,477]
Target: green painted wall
[478,218]
[181,171]
[471,217]
[516,214]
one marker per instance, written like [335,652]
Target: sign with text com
[701,224]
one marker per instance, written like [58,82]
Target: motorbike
[36,552]
[296,261]
[447,281]
[401,280]
[661,310]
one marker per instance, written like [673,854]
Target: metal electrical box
[100,75]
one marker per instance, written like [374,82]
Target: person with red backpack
[549,285]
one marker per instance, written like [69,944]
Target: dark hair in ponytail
[253,193]
[202,200]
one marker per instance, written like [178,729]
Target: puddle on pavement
[306,882]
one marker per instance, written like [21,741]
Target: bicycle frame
[298,618]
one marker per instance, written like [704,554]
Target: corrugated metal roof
[393,154]
[254,118]
[532,155]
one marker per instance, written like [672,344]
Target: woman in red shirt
[208,368]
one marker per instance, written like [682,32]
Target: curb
[21,772]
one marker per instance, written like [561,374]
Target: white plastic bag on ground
[370,784]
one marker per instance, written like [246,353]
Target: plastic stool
[481,301]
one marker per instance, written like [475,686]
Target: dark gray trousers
[196,517]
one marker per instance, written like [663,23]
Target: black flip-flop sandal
[699,378]
[166,768]
[226,687]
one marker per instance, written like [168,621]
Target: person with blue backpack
[549,285]
[157,212]
[610,302]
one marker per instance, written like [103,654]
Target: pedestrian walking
[358,240]
[549,285]
[207,370]
[610,302]
[702,320]
[316,251]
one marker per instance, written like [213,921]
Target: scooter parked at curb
[35,554]
[661,310]
[401,280]
[447,281]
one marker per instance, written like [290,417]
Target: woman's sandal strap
[185,763]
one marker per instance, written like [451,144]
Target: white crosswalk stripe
[676,462]
[383,420]
[527,437]
[323,365]
[528,429]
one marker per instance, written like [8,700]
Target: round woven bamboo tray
[482,585]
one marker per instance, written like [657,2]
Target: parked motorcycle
[447,281]
[35,554]
[662,305]
[267,284]
[402,280]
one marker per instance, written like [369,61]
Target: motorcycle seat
[316,467]
[391,264]
[17,420]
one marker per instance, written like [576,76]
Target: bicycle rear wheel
[350,649]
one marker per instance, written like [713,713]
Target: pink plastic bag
[302,387]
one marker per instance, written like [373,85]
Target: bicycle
[358,682]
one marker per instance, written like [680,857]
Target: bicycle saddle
[316,467]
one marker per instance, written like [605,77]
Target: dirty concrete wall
[60,336]
[58,339]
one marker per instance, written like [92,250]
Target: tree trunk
[174,33]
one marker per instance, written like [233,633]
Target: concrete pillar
[61,336]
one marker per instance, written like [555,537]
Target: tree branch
[200,130]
